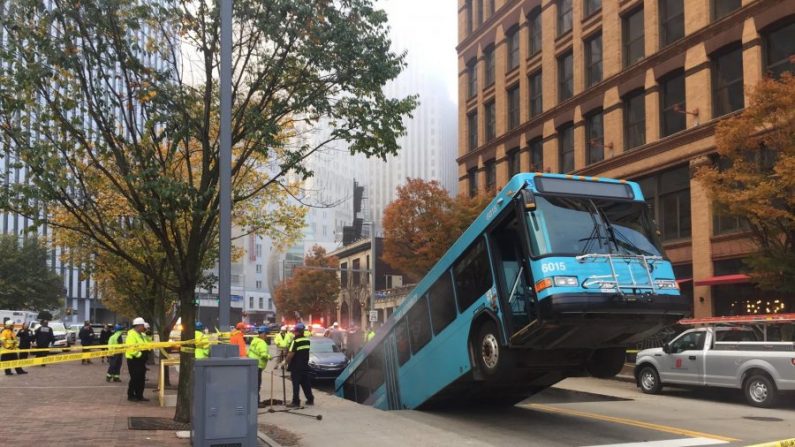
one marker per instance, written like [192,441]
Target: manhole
[143,423]
[763,418]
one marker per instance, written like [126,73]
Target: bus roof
[764,318]
[501,200]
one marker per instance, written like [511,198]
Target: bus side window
[362,391]
[348,388]
[419,325]
[375,367]
[402,342]
[442,303]
[472,275]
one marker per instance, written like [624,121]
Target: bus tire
[606,362]
[489,355]
[760,391]
[649,380]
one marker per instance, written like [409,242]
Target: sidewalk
[71,404]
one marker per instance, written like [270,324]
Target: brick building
[625,89]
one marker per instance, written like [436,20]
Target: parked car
[728,357]
[326,360]
[63,339]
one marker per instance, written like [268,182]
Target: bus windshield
[578,225]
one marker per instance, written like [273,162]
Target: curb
[267,439]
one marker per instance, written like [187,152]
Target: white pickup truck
[730,357]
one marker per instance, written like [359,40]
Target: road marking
[684,442]
[631,422]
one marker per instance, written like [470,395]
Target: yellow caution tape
[88,354]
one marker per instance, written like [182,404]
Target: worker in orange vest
[237,338]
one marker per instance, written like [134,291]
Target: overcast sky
[428,30]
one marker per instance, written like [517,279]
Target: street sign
[373,316]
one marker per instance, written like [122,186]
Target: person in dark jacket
[86,336]
[25,338]
[104,336]
[44,337]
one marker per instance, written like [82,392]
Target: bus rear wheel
[489,355]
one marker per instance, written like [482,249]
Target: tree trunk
[185,387]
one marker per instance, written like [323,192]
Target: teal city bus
[555,278]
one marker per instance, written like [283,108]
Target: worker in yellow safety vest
[282,340]
[201,346]
[369,335]
[258,350]
[136,361]
[9,344]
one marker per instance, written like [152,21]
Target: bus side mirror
[666,348]
[529,200]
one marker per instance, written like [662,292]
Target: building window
[635,119]
[672,21]
[537,154]
[270,303]
[593,60]
[564,16]
[488,61]
[472,78]
[672,104]
[594,137]
[779,49]
[536,94]
[513,161]
[258,284]
[259,250]
[343,274]
[472,177]
[491,123]
[259,268]
[491,174]
[472,129]
[668,195]
[727,81]
[534,20]
[565,77]
[469,16]
[491,7]
[512,45]
[632,25]
[261,302]
[591,6]
[513,107]
[251,302]
[725,223]
[480,12]
[722,8]
[566,147]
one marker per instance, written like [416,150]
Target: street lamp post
[225,169]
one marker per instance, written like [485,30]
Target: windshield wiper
[595,234]
[615,235]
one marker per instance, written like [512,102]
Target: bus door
[513,275]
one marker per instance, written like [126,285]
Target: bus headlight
[566,281]
[668,284]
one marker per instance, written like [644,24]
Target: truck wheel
[649,380]
[489,355]
[760,391]
[605,363]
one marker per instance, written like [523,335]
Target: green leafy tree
[26,282]
[754,179]
[92,112]
[313,287]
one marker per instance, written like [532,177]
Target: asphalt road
[592,412]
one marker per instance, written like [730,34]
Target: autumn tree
[83,107]
[423,222]
[313,288]
[754,179]
[26,282]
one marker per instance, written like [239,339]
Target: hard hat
[118,327]
[138,321]
[299,327]
[262,330]
[335,324]
[9,322]
[283,328]
[199,326]
[240,326]
[146,325]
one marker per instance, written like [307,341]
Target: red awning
[683,280]
[723,279]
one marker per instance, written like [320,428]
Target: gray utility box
[224,400]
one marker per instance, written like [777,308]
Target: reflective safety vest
[114,339]
[299,344]
[282,341]
[8,339]
[237,339]
[258,350]
[134,338]
[202,345]
[369,335]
